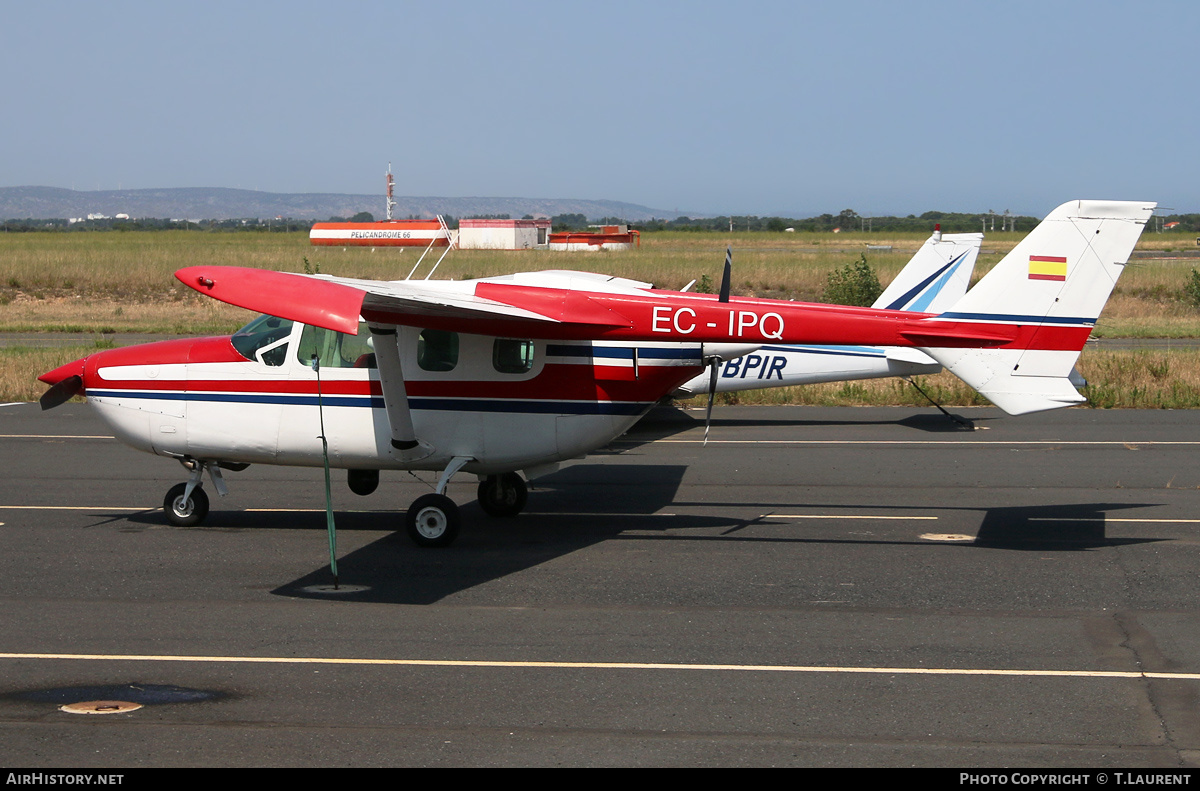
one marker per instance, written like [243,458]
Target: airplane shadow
[666,421]
[1049,528]
[588,504]
[569,510]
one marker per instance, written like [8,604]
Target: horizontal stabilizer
[948,334]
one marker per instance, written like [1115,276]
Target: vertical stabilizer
[936,277]
[1051,288]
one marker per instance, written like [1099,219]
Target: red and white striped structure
[609,237]
[393,233]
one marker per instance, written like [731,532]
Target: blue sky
[765,108]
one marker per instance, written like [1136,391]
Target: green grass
[134,272]
[124,282]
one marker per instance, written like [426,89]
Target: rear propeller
[714,362]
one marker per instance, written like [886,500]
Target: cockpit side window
[265,339]
[336,349]
[437,350]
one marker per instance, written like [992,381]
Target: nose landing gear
[184,508]
[186,504]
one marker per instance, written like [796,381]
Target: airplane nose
[65,381]
[64,371]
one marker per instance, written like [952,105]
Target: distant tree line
[846,220]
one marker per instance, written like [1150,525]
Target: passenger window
[437,350]
[511,356]
[265,339]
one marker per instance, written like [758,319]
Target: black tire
[432,521]
[503,495]
[187,513]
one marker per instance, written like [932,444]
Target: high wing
[575,306]
[336,303]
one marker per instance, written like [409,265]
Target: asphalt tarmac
[815,587]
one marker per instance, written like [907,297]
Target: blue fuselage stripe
[1014,318]
[376,402]
[623,352]
[843,351]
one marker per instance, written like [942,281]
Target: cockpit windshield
[265,340]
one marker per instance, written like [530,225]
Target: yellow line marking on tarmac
[54,436]
[600,514]
[481,663]
[626,440]
[1108,519]
[906,442]
[306,510]
[318,510]
[590,513]
[779,441]
[842,516]
[77,507]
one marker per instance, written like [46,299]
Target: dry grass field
[109,282]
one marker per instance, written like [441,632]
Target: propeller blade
[61,392]
[727,274]
[712,391]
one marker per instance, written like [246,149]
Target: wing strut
[395,397]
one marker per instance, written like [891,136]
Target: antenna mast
[390,183]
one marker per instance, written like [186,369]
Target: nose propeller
[62,392]
[65,382]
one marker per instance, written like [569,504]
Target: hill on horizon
[221,203]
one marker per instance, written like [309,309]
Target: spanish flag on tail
[1047,267]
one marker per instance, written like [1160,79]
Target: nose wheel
[186,504]
[184,508]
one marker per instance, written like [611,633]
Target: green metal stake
[316,366]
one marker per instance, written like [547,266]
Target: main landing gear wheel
[185,513]
[503,495]
[432,521]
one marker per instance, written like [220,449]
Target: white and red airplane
[521,372]
[931,282]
